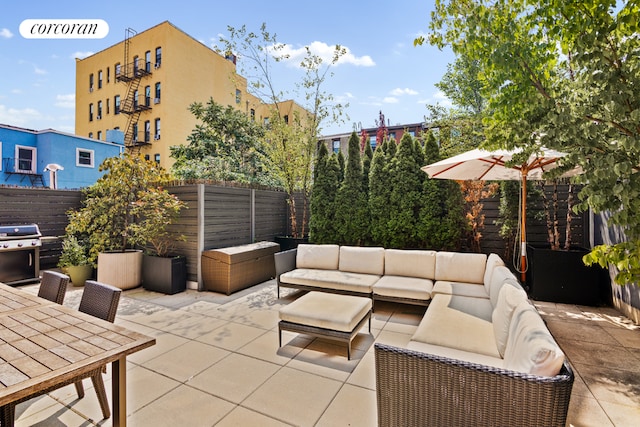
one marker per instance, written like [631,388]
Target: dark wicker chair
[421,389]
[99,300]
[53,286]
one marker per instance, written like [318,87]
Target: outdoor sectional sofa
[481,354]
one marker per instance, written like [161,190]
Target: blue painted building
[49,158]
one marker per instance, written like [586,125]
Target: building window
[157,94]
[116,104]
[117,69]
[100,135]
[25,159]
[84,157]
[157,129]
[372,141]
[147,61]
[238,96]
[146,157]
[158,57]
[90,112]
[90,134]
[91,82]
[253,115]
[135,65]
[135,99]
[336,145]
[135,132]
[147,96]
[108,75]
[108,105]
[100,79]
[392,135]
[412,133]
[147,131]
[99,110]
[286,119]
[156,157]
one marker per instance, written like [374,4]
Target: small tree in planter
[74,260]
[113,214]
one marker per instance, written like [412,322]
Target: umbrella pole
[523,231]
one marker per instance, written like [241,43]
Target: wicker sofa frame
[415,388]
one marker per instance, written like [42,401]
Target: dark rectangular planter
[166,275]
[561,276]
[288,242]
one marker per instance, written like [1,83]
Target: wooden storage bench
[227,270]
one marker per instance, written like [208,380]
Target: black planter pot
[166,275]
[561,276]
[287,242]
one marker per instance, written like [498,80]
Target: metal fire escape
[132,73]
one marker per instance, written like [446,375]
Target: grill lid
[21,231]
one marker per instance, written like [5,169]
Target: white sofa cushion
[324,257]
[403,287]
[458,322]
[501,276]
[508,299]
[410,263]
[493,261]
[460,267]
[330,279]
[454,353]
[530,347]
[367,260]
[475,290]
[326,310]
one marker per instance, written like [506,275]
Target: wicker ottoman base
[331,316]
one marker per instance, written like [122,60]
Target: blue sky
[384,71]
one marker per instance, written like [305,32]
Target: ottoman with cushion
[321,314]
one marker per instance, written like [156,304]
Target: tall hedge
[352,211]
[379,197]
[323,195]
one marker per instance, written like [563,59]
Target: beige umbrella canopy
[492,166]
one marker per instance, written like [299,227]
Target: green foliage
[126,208]
[561,74]
[225,146]
[74,252]
[342,165]
[380,197]
[323,207]
[352,215]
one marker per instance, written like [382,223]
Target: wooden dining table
[44,344]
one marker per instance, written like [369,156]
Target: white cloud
[16,91]
[17,117]
[406,91]
[39,71]
[81,55]
[5,33]
[326,52]
[66,101]
[390,100]
[437,98]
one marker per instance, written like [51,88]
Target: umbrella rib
[493,161]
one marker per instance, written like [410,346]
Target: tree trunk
[567,235]
[291,201]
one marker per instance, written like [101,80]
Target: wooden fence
[221,216]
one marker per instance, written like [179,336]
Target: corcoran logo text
[64,28]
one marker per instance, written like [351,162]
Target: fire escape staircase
[132,74]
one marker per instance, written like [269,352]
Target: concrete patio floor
[217,362]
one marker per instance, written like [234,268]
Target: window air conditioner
[156,136]
[90,89]
[98,117]
[157,65]
[156,100]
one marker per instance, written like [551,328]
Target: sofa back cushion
[460,267]
[508,299]
[493,261]
[356,259]
[410,263]
[323,257]
[501,276]
[530,347]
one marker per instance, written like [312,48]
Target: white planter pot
[120,269]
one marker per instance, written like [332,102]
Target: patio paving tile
[353,406]
[265,347]
[294,396]
[187,360]
[242,417]
[234,377]
[231,336]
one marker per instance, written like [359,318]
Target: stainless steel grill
[19,253]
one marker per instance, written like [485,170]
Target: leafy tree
[325,188]
[352,212]
[122,209]
[291,142]
[225,146]
[562,74]
[342,164]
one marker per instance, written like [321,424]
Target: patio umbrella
[491,166]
